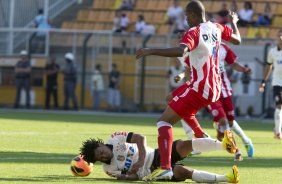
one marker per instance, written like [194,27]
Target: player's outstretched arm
[166,52]
[240,68]
[235,37]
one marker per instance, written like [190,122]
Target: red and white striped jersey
[228,56]
[203,42]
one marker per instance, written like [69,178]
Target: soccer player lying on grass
[126,156]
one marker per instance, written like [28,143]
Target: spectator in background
[23,72]
[140,24]
[180,25]
[174,12]
[42,22]
[113,91]
[116,22]
[172,73]
[127,5]
[97,86]
[266,17]
[51,71]
[246,14]
[246,79]
[124,22]
[234,7]
[70,72]
[223,14]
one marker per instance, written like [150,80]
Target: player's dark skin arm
[141,143]
[240,68]
[266,73]
[166,52]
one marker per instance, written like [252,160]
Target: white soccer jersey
[125,155]
[275,57]
[203,42]
[225,55]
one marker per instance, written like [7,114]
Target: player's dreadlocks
[88,149]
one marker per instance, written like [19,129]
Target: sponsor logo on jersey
[120,158]
[119,133]
[129,158]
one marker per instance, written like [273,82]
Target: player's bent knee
[181,173]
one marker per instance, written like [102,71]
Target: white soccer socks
[188,130]
[206,144]
[206,177]
[238,130]
[278,120]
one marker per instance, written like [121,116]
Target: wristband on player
[263,81]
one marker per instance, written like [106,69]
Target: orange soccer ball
[79,167]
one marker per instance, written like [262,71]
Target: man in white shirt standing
[275,59]
[97,86]
[174,12]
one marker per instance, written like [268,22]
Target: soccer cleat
[159,174]
[229,142]
[233,176]
[250,149]
[219,135]
[238,156]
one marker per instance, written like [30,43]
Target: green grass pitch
[37,147]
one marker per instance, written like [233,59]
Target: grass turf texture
[38,147]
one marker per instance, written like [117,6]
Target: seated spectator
[127,5]
[223,14]
[246,14]
[266,17]
[174,12]
[124,22]
[149,29]
[140,24]
[117,19]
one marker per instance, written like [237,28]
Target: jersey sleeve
[230,57]
[270,59]
[191,38]
[121,137]
[226,32]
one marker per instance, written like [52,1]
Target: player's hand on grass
[233,17]
[142,52]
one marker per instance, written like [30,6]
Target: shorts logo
[175,98]
[214,113]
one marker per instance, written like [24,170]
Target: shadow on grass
[113,120]
[77,118]
[61,178]
[35,157]
[259,162]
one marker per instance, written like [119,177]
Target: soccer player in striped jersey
[202,41]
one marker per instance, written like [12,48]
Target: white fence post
[11,26]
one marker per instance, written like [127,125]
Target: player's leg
[190,131]
[181,173]
[228,107]
[277,92]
